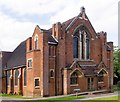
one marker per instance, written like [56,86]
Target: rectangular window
[51,73]
[74,78]
[29,63]
[8,77]
[90,83]
[25,77]
[37,82]
[51,51]
[17,74]
[100,78]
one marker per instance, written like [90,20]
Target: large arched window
[81,44]
[25,77]
[16,76]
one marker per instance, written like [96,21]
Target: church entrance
[90,82]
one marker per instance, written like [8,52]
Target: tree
[116,66]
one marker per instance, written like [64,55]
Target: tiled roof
[66,23]
[88,70]
[5,55]
[18,57]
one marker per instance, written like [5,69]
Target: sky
[18,18]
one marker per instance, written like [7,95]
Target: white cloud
[31,7]
[13,32]
[102,14]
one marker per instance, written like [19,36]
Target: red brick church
[68,56]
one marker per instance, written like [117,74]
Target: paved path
[88,97]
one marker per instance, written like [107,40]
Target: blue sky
[18,18]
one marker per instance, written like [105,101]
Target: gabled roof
[18,57]
[87,69]
[67,23]
[51,40]
[101,65]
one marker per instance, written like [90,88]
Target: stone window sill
[37,87]
[52,77]
[100,82]
[29,67]
[16,85]
[74,85]
[83,60]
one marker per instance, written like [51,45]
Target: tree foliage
[117,64]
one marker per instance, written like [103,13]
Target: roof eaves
[90,74]
[54,38]
[71,23]
[21,66]
[88,65]
[52,43]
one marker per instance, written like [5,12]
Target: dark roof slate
[18,57]
[89,70]
[5,57]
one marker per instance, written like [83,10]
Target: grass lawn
[12,96]
[47,100]
[109,99]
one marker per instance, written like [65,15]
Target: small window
[16,77]
[51,73]
[101,77]
[36,41]
[74,78]
[51,51]
[8,77]
[24,77]
[88,83]
[29,63]
[37,82]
